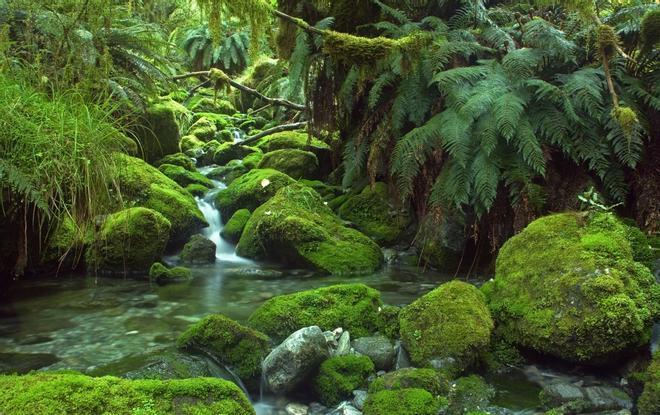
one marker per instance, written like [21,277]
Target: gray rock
[343,345]
[359,398]
[379,349]
[604,398]
[558,394]
[588,399]
[198,250]
[296,409]
[345,408]
[291,362]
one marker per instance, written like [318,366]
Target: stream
[104,325]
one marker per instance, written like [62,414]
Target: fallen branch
[278,129]
[275,101]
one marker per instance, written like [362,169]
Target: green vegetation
[339,376]
[403,402]
[568,286]
[163,275]
[451,324]
[65,393]
[298,164]
[354,307]
[430,380]
[649,401]
[469,394]
[233,229]
[239,347]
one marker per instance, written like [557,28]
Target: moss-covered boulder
[469,394]
[184,177]
[241,348]
[649,401]
[217,106]
[250,191]
[449,327]
[64,245]
[403,402]
[430,380]
[375,215]
[298,164]
[204,129]
[295,140]
[197,190]
[143,185]
[229,151]
[221,121]
[198,250]
[339,376]
[158,135]
[233,229]
[129,241]
[251,161]
[229,172]
[177,159]
[191,145]
[74,393]
[296,228]
[354,307]
[163,275]
[568,286]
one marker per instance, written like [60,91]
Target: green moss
[251,161]
[403,402]
[354,307]
[158,135]
[233,229]
[229,151]
[65,244]
[469,394]
[295,227]
[326,191]
[184,177]
[163,275]
[198,250]
[143,185]
[251,190]
[213,106]
[73,393]
[190,144]
[429,380]
[296,163]
[226,136]
[337,202]
[339,376]
[649,401]
[229,172]
[129,240]
[293,140]
[375,215]
[236,346]
[568,286]
[177,159]
[451,321]
[197,190]
[204,129]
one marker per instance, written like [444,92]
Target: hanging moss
[627,120]
[606,40]
[649,31]
[359,49]
[220,81]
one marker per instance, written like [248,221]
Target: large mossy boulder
[649,401]
[158,135]
[298,164]
[354,307]
[198,250]
[240,348]
[204,129]
[214,106]
[184,177]
[233,229]
[449,327]
[129,241]
[430,380]
[229,172]
[339,376]
[375,215]
[403,402]
[296,228]
[177,159]
[568,286]
[227,152]
[296,140]
[74,393]
[143,185]
[250,190]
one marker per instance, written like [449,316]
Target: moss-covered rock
[403,402]
[143,185]
[129,241]
[217,106]
[430,380]
[388,321]
[649,401]
[251,161]
[327,192]
[65,244]
[469,394]
[233,229]
[163,275]
[451,324]
[204,129]
[295,227]
[298,164]
[568,286]
[184,177]
[250,191]
[229,172]
[177,159]
[292,140]
[197,190]
[221,121]
[198,250]
[191,145]
[339,376]
[354,307]
[374,215]
[229,151]
[73,393]
[158,135]
[241,348]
